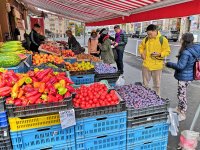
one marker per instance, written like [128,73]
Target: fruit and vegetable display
[83,66]
[94,95]
[139,97]
[50,48]
[102,68]
[67,53]
[39,59]
[35,87]
[48,65]
[88,57]
[12,47]
[9,60]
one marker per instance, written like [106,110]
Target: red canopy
[179,10]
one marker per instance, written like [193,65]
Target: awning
[104,12]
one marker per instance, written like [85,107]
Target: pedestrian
[153,49]
[34,38]
[106,51]
[73,44]
[93,44]
[184,70]
[119,45]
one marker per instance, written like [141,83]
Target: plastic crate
[160,144]
[137,121]
[4,133]
[100,125]
[18,69]
[84,72]
[3,120]
[107,76]
[71,60]
[41,138]
[147,132]
[5,144]
[112,84]
[2,104]
[18,124]
[70,146]
[41,109]
[83,79]
[112,141]
[131,112]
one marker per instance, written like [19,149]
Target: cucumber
[9,60]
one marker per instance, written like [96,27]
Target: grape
[102,68]
[139,97]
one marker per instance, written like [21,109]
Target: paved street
[168,87]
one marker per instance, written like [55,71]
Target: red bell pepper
[5,91]
[2,83]
[52,98]
[33,99]
[67,95]
[59,97]
[39,101]
[18,102]
[31,73]
[70,89]
[34,79]
[44,73]
[46,79]
[33,93]
[52,91]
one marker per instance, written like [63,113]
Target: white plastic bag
[173,121]
[120,81]
[188,140]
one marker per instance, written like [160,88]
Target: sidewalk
[168,90]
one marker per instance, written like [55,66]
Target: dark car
[136,34]
[171,35]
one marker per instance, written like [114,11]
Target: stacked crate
[38,127]
[5,142]
[147,128]
[101,128]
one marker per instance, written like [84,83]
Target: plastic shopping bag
[188,140]
[173,121]
[120,81]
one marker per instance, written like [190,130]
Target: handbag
[197,70]
[115,54]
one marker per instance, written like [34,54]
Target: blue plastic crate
[28,62]
[100,125]
[83,79]
[112,84]
[147,132]
[70,146]
[42,137]
[70,60]
[3,120]
[112,141]
[160,144]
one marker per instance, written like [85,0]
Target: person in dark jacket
[73,44]
[119,44]
[184,72]
[34,38]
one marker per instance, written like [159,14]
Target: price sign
[67,118]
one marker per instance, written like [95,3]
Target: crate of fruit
[38,109]
[3,120]
[2,104]
[100,125]
[24,123]
[111,141]
[158,144]
[71,60]
[5,144]
[147,132]
[96,99]
[41,138]
[149,119]
[141,101]
[4,133]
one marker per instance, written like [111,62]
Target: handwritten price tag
[67,118]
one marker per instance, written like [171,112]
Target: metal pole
[84,36]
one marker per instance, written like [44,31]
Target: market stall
[61,101]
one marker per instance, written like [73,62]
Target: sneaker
[181,117]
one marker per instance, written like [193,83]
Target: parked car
[129,34]
[142,35]
[171,35]
[136,34]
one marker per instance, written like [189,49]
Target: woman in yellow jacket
[153,49]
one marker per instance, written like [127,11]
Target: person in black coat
[184,70]
[73,44]
[34,38]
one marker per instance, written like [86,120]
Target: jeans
[119,61]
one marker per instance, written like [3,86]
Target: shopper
[93,44]
[73,44]
[119,44]
[184,73]
[153,49]
[34,38]
[106,51]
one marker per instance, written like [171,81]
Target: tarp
[179,10]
